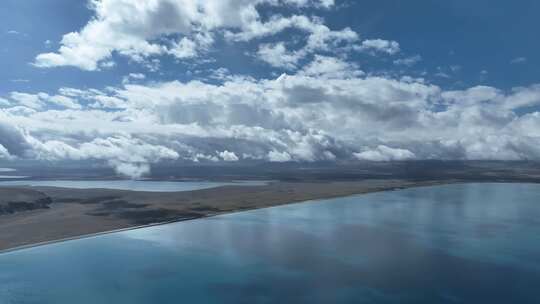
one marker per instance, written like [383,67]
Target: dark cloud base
[471,171]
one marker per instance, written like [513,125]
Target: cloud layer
[308,116]
[319,106]
[183,29]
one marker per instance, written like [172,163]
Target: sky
[131,84]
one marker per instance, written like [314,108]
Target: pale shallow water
[135,185]
[470,243]
[9,170]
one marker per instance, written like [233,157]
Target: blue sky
[475,36]
[272,80]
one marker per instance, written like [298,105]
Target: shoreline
[97,234]
[203,216]
[86,236]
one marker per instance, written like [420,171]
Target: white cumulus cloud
[180,28]
[380,45]
[384,153]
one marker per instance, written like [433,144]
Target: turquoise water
[135,185]
[472,243]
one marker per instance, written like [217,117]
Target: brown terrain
[31,215]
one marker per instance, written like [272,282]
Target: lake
[463,243]
[134,185]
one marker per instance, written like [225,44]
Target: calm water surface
[473,243]
[135,185]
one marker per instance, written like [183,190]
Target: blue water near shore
[134,185]
[471,243]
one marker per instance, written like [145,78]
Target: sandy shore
[73,213]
